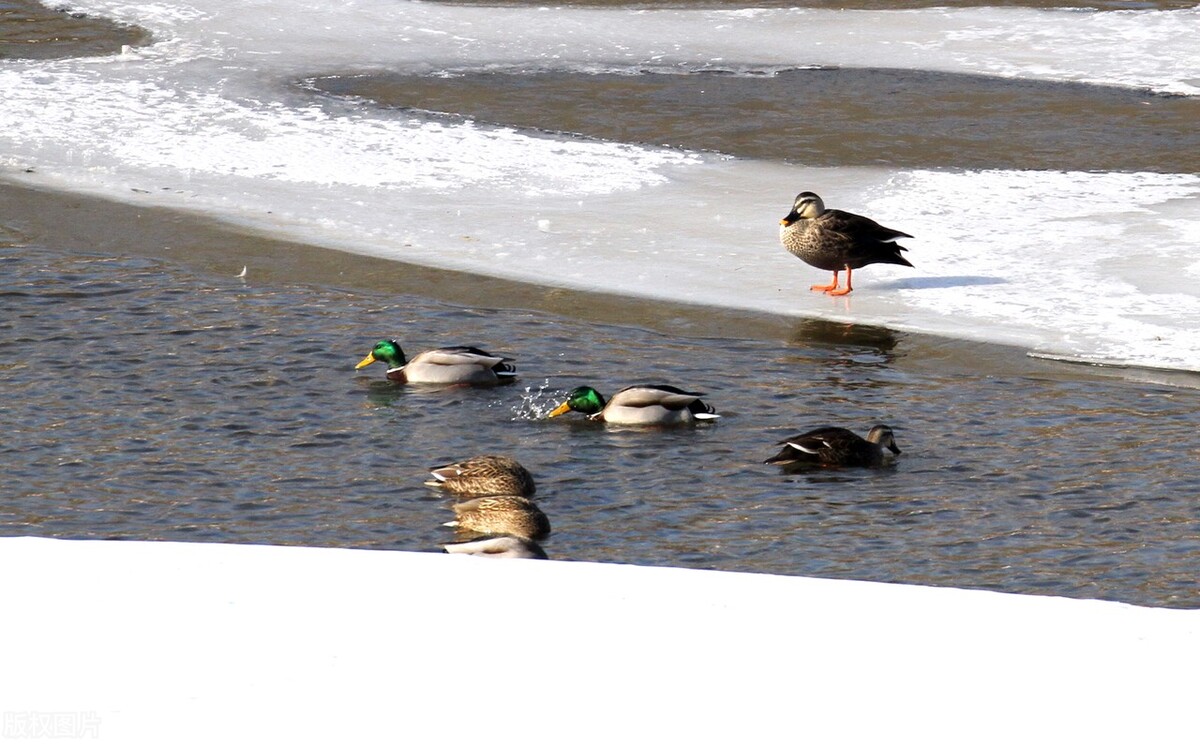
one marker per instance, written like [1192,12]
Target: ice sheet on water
[1078,263]
[1142,48]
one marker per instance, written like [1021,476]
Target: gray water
[820,117]
[150,394]
[29,30]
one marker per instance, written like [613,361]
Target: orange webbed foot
[826,288]
[845,290]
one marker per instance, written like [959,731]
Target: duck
[638,404]
[445,365]
[498,547]
[482,476]
[835,446]
[508,514]
[834,240]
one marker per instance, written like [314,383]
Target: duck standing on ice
[834,240]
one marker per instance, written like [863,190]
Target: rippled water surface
[148,401]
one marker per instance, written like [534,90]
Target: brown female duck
[483,475]
[509,515]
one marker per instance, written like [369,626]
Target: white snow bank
[162,642]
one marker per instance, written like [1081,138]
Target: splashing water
[534,404]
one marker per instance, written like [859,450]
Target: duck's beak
[365,361]
[562,408]
[786,221]
[893,448]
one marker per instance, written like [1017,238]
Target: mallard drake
[446,365]
[484,475]
[498,547]
[509,514]
[834,446]
[638,404]
[834,240]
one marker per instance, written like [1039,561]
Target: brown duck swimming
[483,476]
[507,515]
[834,240]
[834,446]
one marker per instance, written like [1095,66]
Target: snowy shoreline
[146,641]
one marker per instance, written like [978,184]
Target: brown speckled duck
[446,365]
[509,515]
[834,240]
[834,446]
[483,475]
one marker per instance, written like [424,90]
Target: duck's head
[584,399]
[388,352]
[807,206]
[882,435]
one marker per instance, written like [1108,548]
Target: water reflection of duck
[498,547]
[446,365]
[508,514]
[807,331]
[834,240]
[484,475]
[834,446]
[638,404]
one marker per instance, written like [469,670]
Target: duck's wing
[807,444]
[478,465]
[450,471]
[811,447]
[862,241]
[667,396]
[453,468]
[863,228]
[822,439]
[459,356]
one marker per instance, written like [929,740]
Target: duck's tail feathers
[786,457]
[894,257]
[504,370]
[701,410]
